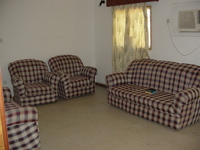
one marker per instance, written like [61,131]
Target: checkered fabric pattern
[32,83]
[165,76]
[75,78]
[22,124]
[116,79]
[70,64]
[24,136]
[7,94]
[16,114]
[176,104]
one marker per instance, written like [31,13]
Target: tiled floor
[90,123]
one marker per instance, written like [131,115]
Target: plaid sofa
[177,102]
[32,82]
[22,124]
[75,78]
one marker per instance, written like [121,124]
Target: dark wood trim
[124,2]
[101,84]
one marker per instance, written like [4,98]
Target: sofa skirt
[177,122]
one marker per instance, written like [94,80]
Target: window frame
[125,2]
[149,7]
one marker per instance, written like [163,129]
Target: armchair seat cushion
[160,101]
[34,89]
[79,81]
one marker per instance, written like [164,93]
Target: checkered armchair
[75,78]
[22,124]
[177,102]
[32,83]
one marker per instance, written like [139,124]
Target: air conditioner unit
[189,21]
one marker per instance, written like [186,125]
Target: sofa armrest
[53,79]
[116,79]
[89,72]
[18,83]
[186,96]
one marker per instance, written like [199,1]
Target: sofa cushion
[139,70]
[160,101]
[186,76]
[167,76]
[35,89]
[161,76]
[173,77]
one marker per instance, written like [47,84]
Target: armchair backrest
[70,64]
[30,70]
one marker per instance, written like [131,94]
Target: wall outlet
[1,40]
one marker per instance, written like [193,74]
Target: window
[130,34]
[121,17]
[125,2]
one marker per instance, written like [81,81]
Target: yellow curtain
[130,35]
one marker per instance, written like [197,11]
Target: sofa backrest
[70,64]
[138,71]
[30,70]
[163,75]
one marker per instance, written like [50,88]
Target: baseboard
[101,84]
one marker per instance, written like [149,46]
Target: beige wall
[44,28]
[103,40]
[41,29]
[162,46]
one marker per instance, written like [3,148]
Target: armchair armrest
[18,83]
[185,96]
[64,78]
[89,72]
[53,79]
[116,79]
